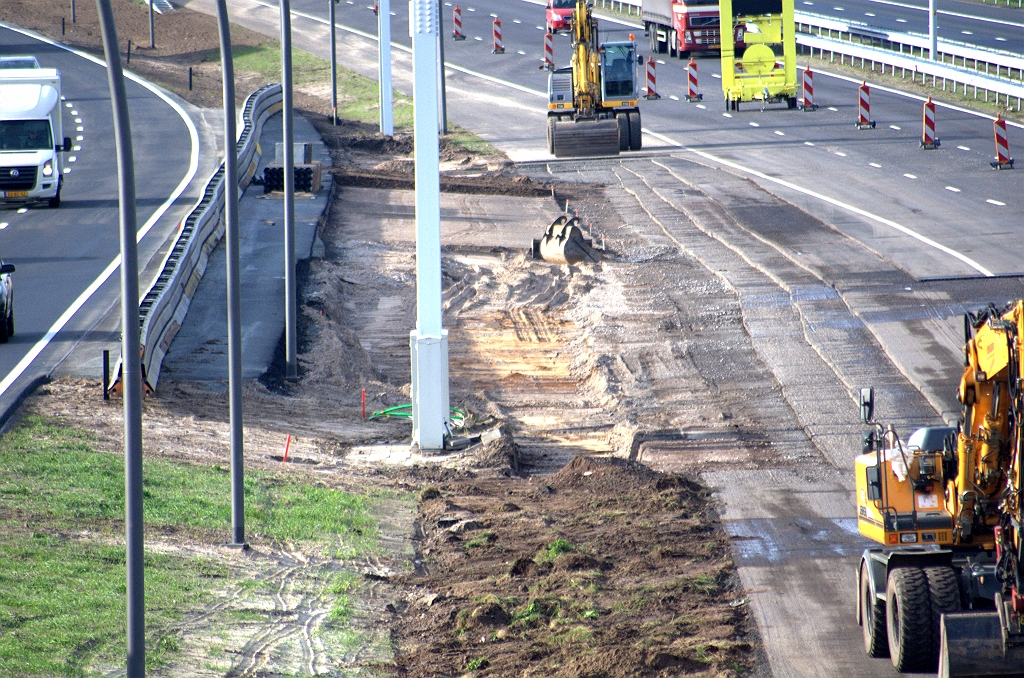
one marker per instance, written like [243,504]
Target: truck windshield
[617,61]
[25,135]
[697,3]
[565,4]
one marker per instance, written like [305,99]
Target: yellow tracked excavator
[592,104]
[946,588]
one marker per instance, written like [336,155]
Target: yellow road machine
[766,71]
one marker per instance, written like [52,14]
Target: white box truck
[31,136]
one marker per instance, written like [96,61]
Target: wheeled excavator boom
[946,588]
[592,103]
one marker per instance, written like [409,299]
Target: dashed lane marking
[832,201]
[840,154]
[990,201]
[874,164]
[808,143]
[964,148]
[895,127]
[727,115]
[781,134]
[754,124]
[673,97]
[953,188]
[910,176]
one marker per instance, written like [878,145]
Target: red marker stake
[364,403]
[287,444]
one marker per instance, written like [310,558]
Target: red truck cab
[558,14]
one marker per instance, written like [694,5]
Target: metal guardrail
[163,308]
[914,44]
[942,75]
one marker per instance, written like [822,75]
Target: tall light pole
[932,37]
[429,341]
[290,299]
[387,117]
[130,358]
[334,62]
[227,70]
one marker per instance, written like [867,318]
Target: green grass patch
[555,549]
[358,96]
[62,600]
[477,663]
[483,539]
[469,141]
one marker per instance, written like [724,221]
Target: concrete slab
[199,350]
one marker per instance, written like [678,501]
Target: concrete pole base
[430,415]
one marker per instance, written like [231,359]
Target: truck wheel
[673,44]
[909,620]
[684,53]
[876,641]
[944,594]
[623,120]
[791,103]
[4,334]
[551,135]
[635,131]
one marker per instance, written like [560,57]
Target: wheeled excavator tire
[909,620]
[551,135]
[635,131]
[622,120]
[585,138]
[876,640]
[944,596]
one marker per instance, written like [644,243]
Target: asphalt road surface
[62,254]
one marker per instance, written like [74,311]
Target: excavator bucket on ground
[585,138]
[973,644]
[563,243]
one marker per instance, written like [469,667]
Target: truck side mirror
[6,268]
[867,404]
[874,482]
[67,144]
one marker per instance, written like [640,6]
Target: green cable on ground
[405,412]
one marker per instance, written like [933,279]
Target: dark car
[7,300]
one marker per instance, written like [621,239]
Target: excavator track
[572,139]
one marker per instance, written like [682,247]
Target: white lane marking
[79,138]
[953,188]
[1000,39]
[352,3]
[967,32]
[78,121]
[869,14]
[392,14]
[808,3]
[72,158]
[895,127]
[808,143]
[840,154]
[831,201]
[73,111]
[659,62]
[76,148]
[964,148]
[833,109]
[79,129]
[901,21]
[918,97]
[874,164]
[494,15]
[910,176]
[477,37]
[471,9]
[521,52]
[516,21]
[3,225]
[716,75]
[68,105]
[22,210]
[727,115]
[701,106]
[781,134]
[754,124]
[995,202]
[673,97]
[540,28]
[87,293]
[839,9]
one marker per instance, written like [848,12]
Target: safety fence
[163,308]
[959,67]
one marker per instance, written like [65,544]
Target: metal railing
[163,308]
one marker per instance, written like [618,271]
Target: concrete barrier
[163,307]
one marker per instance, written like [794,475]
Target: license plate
[15,194]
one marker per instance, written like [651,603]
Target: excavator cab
[618,74]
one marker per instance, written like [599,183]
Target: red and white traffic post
[928,138]
[864,120]
[691,83]
[652,81]
[499,47]
[457,33]
[549,51]
[1003,159]
[808,86]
